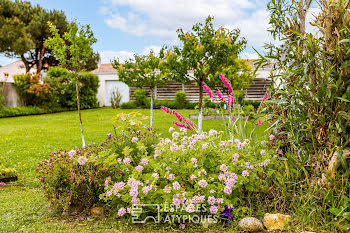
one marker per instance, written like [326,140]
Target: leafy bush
[62,83]
[116,97]
[25,111]
[6,171]
[141,97]
[76,177]
[239,96]
[180,100]
[33,91]
[129,105]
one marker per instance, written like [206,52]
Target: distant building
[7,83]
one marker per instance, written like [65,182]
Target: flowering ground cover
[25,141]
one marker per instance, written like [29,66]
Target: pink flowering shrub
[184,173]
[78,177]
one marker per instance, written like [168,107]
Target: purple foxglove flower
[109,136]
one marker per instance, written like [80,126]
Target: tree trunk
[40,60]
[200,107]
[26,63]
[78,104]
[152,107]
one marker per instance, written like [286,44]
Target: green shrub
[25,111]
[62,83]
[116,98]
[128,105]
[33,91]
[190,105]
[141,97]
[88,87]
[180,100]
[248,110]
[77,177]
[239,96]
[6,171]
[255,103]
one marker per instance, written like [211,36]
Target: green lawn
[25,141]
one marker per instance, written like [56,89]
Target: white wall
[107,82]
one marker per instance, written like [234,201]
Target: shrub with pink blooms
[77,177]
[189,170]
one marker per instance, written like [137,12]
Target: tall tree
[142,71]
[207,52]
[23,30]
[73,49]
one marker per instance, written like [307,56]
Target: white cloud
[161,18]
[108,56]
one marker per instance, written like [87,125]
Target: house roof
[7,72]
[105,68]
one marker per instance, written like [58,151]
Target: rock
[98,210]
[72,210]
[275,222]
[250,224]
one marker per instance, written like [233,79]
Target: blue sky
[124,27]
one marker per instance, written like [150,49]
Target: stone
[274,222]
[250,224]
[98,210]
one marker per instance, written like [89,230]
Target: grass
[25,141]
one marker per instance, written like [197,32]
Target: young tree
[73,50]
[207,52]
[142,71]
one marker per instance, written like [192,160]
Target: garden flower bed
[191,176]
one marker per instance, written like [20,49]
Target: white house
[108,79]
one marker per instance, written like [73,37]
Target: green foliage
[141,71]
[25,111]
[1,93]
[312,108]
[6,171]
[116,98]
[88,87]
[206,51]
[32,91]
[57,90]
[77,177]
[343,212]
[23,30]
[74,47]
[129,105]
[239,96]
[141,97]
[180,100]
